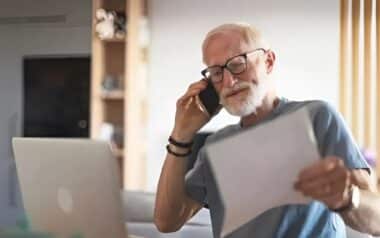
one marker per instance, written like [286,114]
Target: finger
[188,102]
[335,182]
[201,84]
[326,178]
[341,185]
[319,168]
[332,202]
[189,94]
[199,103]
[199,87]
[335,201]
[190,91]
[318,191]
[322,189]
[184,102]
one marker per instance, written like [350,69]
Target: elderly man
[239,65]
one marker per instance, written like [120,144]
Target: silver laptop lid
[70,187]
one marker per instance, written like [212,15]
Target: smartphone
[210,99]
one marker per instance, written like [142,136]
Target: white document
[255,170]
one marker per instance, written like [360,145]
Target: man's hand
[189,118]
[328,181]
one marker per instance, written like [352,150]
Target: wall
[304,34]
[17,41]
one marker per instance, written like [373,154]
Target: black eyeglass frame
[225,66]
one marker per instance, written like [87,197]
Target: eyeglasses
[235,65]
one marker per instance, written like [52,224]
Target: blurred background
[113,70]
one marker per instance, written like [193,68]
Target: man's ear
[270,60]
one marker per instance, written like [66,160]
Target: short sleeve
[334,137]
[195,179]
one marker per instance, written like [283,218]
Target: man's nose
[228,79]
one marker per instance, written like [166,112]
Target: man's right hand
[173,206]
[189,118]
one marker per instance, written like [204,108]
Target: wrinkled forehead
[221,46]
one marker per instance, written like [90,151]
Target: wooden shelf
[113,95]
[114,40]
[125,59]
[118,152]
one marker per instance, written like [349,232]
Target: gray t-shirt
[311,220]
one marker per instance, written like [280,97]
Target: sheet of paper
[255,170]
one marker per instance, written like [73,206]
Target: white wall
[16,41]
[304,34]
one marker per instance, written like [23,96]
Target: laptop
[70,187]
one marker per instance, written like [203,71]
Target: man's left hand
[328,181]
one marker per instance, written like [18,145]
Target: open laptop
[70,187]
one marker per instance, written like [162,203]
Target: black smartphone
[210,99]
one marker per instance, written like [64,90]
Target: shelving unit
[125,107]
[113,95]
[115,40]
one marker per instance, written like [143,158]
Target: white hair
[249,34]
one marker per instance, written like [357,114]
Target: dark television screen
[56,96]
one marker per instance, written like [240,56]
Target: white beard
[247,105]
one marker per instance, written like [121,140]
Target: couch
[138,213]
